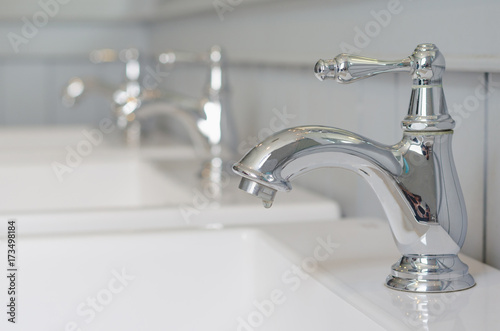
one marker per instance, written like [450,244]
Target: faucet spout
[264,192]
[279,159]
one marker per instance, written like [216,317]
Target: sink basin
[171,280]
[235,278]
[51,142]
[128,193]
[116,188]
[40,137]
[111,183]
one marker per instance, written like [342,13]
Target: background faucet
[202,117]
[126,98]
[415,179]
[132,101]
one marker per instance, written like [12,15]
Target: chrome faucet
[415,179]
[126,98]
[201,117]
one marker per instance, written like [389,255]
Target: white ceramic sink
[52,143]
[172,280]
[236,278]
[41,137]
[73,168]
[120,193]
[122,183]
[241,279]
[46,185]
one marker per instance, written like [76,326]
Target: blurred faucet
[201,117]
[126,97]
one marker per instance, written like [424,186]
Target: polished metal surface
[415,179]
[427,111]
[264,192]
[444,273]
[202,117]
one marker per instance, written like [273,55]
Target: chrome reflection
[421,311]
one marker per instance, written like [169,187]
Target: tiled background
[271,48]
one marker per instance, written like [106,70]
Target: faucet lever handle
[347,68]
[426,65]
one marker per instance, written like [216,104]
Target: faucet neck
[427,110]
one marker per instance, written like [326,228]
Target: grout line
[485,166]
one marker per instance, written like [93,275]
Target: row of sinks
[127,242]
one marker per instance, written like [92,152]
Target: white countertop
[361,260]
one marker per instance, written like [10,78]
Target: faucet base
[430,273]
